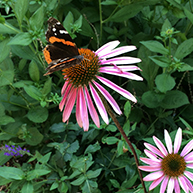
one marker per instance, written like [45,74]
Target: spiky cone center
[173,165]
[84,72]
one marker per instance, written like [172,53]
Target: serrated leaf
[21,7]
[4,49]
[184,49]
[164,82]
[174,99]
[73,147]
[23,38]
[34,71]
[155,46]
[38,114]
[11,173]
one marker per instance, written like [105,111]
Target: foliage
[62,157]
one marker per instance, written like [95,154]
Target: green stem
[101,22]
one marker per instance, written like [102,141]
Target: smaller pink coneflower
[84,80]
[168,165]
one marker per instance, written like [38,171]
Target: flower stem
[125,137]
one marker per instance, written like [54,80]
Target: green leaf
[164,82]
[34,71]
[63,187]
[22,64]
[186,124]
[155,46]
[111,128]
[92,148]
[185,67]
[47,87]
[11,173]
[78,22]
[188,14]
[4,181]
[4,49]
[33,174]
[6,77]
[21,7]
[58,127]
[184,49]
[161,61]
[4,120]
[7,28]
[79,181]
[23,38]
[115,183]
[38,114]
[166,25]
[127,109]
[37,19]
[69,19]
[33,92]
[34,137]
[174,99]
[27,188]
[109,2]
[45,158]
[93,174]
[73,147]
[111,140]
[54,185]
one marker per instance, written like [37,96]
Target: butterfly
[62,52]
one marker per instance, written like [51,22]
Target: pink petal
[170,185]
[178,140]
[189,158]
[83,110]
[189,175]
[118,89]
[188,184]
[156,183]
[150,161]
[99,104]
[154,149]
[153,176]
[107,48]
[189,165]
[122,68]
[69,104]
[78,111]
[123,74]
[150,155]
[91,108]
[119,51]
[183,184]
[65,97]
[152,168]
[122,60]
[168,141]
[164,184]
[109,98]
[160,145]
[176,186]
[64,87]
[187,148]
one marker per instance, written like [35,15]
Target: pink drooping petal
[65,97]
[83,109]
[155,183]
[154,149]
[150,154]
[69,104]
[189,184]
[176,186]
[189,158]
[150,161]
[183,184]
[91,108]
[187,148]
[118,89]
[189,165]
[121,68]
[178,140]
[189,175]
[122,60]
[128,75]
[64,87]
[119,51]
[168,141]
[109,98]
[107,48]
[99,104]
[150,168]
[170,185]
[164,184]
[160,145]
[153,176]
[78,111]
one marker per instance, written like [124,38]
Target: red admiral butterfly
[63,52]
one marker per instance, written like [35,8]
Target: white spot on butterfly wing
[54,29]
[55,34]
[63,32]
[58,23]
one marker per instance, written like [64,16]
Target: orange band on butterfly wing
[54,39]
[47,55]
[62,63]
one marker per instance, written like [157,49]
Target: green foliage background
[63,157]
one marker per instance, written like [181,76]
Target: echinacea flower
[14,151]
[85,75]
[168,165]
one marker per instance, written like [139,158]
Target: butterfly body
[62,52]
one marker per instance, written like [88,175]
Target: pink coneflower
[168,165]
[87,75]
